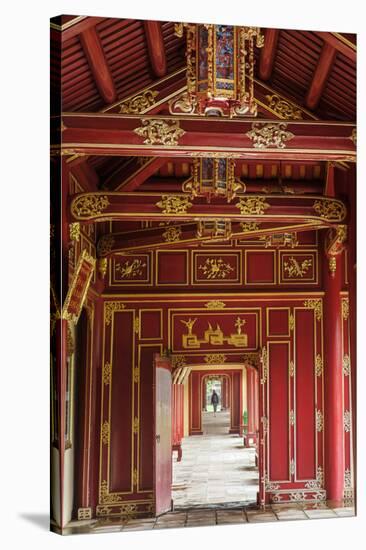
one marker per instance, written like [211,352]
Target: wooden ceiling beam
[98,64]
[86,175]
[141,174]
[343,46]
[155,45]
[320,77]
[104,205]
[74,29]
[167,136]
[186,234]
[268,53]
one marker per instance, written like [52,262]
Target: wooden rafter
[338,42]
[76,26]
[98,64]
[155,44]
[268,53]
[320,76]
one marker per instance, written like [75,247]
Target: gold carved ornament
[330,210]
[346,365]
[345,308]
[295,269]
[213,337]
[136,325]
[318,365]
[105,245]
[264,361]
[291,368]
[174,204]
[74,230]
[318,482]
[291,322]
[78,289]
[105,497]
[105,433]
[215,305]
[179,361]
[215,358]
[317,306]
[283,108]
[319,422]
[102,267]
[252,206]
[347,421]
[136,425]
[86,206]
[110,308]
[139,103]
[159,132]
[172,234]
[136,375]
[269,134]
[248,227]
[107,373]
[130,269]
[215,268]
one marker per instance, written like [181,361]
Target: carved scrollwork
[269,134]
[283,108]
[251,206]
[139,103]
[159,132]
[86,206]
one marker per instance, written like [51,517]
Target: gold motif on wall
[319,421]
[347,421]
[317,306]
[74,230]
[291,368]
[172,234]
[318,482]
[102,267]
[214,337]
[279,240]
[345,308]
[215,305]
[215,268]
[292,472]
[215,358]
[136,425]
[269,134]
[136,375]
[107,373]
[179,361]
[346,365]
[109,308]
[105,433]
[295,269]
[318,365]
[264,361]
[160,132]
[283,108]
[252,205]
[105,497]
[174,204]
[292,417]
[139,103]
[130,269]
[291,322]
[89,205]
[136,325]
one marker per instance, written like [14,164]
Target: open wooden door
[263,426]
[163,434]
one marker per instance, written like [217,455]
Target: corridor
[215,467]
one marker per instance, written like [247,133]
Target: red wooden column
[61,369]
[250,437]
[333,418]
[223,393]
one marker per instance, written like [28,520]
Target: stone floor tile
[320,514]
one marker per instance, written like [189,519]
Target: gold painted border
[216,253]
[113,283]
[304,252]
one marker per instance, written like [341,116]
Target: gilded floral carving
[139,103]
[330,210]
[86,206]
[296,269]
[160,132]
[172,234]
[174,204]
[251,206]
[130,269]
[269,134]
[283,108]
[215,268]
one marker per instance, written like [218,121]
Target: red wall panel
[278,388]
[121,403]
[305,394]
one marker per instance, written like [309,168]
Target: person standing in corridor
[214,401]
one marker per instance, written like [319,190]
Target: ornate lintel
[269,134]
[159,132]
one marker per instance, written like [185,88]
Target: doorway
[216,469]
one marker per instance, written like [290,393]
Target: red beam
[73,29]
[268,53]
[102,206]
[86,175]
[320,76]
[155,44]
[343,46]
[149,239]
[141,174]
[112,134]
[95,55]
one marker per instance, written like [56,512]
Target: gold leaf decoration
[251,206]
[87,206]
[136,425]
[346,365]
[249,227]
[215,358]
[347,421]
[291,322]
[291,368]
[138,103]
[136,325]
[74,229]
[269,134]
[345,308]
[295,269]
[130,268]
[105,497]
[105,244]
[172,234]
[107,373]
[330,210]
[103,266]
[174,204]
[136,375]
[215,268]
[318,365]
[283,108]
[317,306]
[264,361]
[105,433]
[215,305]
[319,421]
[109,308]
[178,361]
[160,132]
